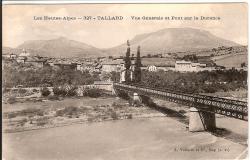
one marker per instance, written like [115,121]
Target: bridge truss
[231,108]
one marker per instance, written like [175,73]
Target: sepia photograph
[124,81]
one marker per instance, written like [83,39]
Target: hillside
[9,50]
[172,40]
[232,60]
[60,47]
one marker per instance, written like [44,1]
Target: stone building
[152,68]
[187,66]
[113,65]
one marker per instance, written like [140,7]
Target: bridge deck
[231,108]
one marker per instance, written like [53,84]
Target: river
[151,138]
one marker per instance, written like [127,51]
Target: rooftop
[113,62]
[183,62]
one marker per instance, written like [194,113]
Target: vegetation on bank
[201,82]
[70,113]
[46,76]
[56,93]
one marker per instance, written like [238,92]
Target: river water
[135,139]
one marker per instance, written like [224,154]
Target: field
[230,61]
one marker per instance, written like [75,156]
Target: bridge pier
[200,120]
[136,97]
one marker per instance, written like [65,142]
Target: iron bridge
[231,108]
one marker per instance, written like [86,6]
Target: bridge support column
[136,97]
[201,120]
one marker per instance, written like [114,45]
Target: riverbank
[26,116]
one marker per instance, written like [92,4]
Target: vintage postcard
[125,81]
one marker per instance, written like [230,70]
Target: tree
[127,63]
[137,72]
[243,64]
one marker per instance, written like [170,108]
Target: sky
[19,24]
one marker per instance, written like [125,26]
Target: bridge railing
[232,108]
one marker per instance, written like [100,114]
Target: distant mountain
[9,50]
[172,40]
[162,41]
[60,47]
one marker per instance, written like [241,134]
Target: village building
[79,67]
[24,53]
[50,63]
[11,56]
[5,56]
[113,65]
[21,59]
[65,66]
[98,68]
[152,68]
[87,67]
[35,61]
[187,66]
[90,67]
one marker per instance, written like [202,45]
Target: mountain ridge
[61,47]
[173,40]
[158,42]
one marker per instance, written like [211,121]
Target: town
[152,63]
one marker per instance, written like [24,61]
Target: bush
[53,97]
[6,90]
[92,92]
[114,115]
[30,111]
[59,113]
[32,77]
[91,119]
[23,121]
[65,90]
[40,113]
[11,115]
[210,89]
[59,91]
[42,121]
[117,105]
[123,95]
[137,103]
[45,91]
[182,111]
[14,90]
[11,100]
[72,91]
[130,116]
[35,90]
[22,91]
[69,111]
